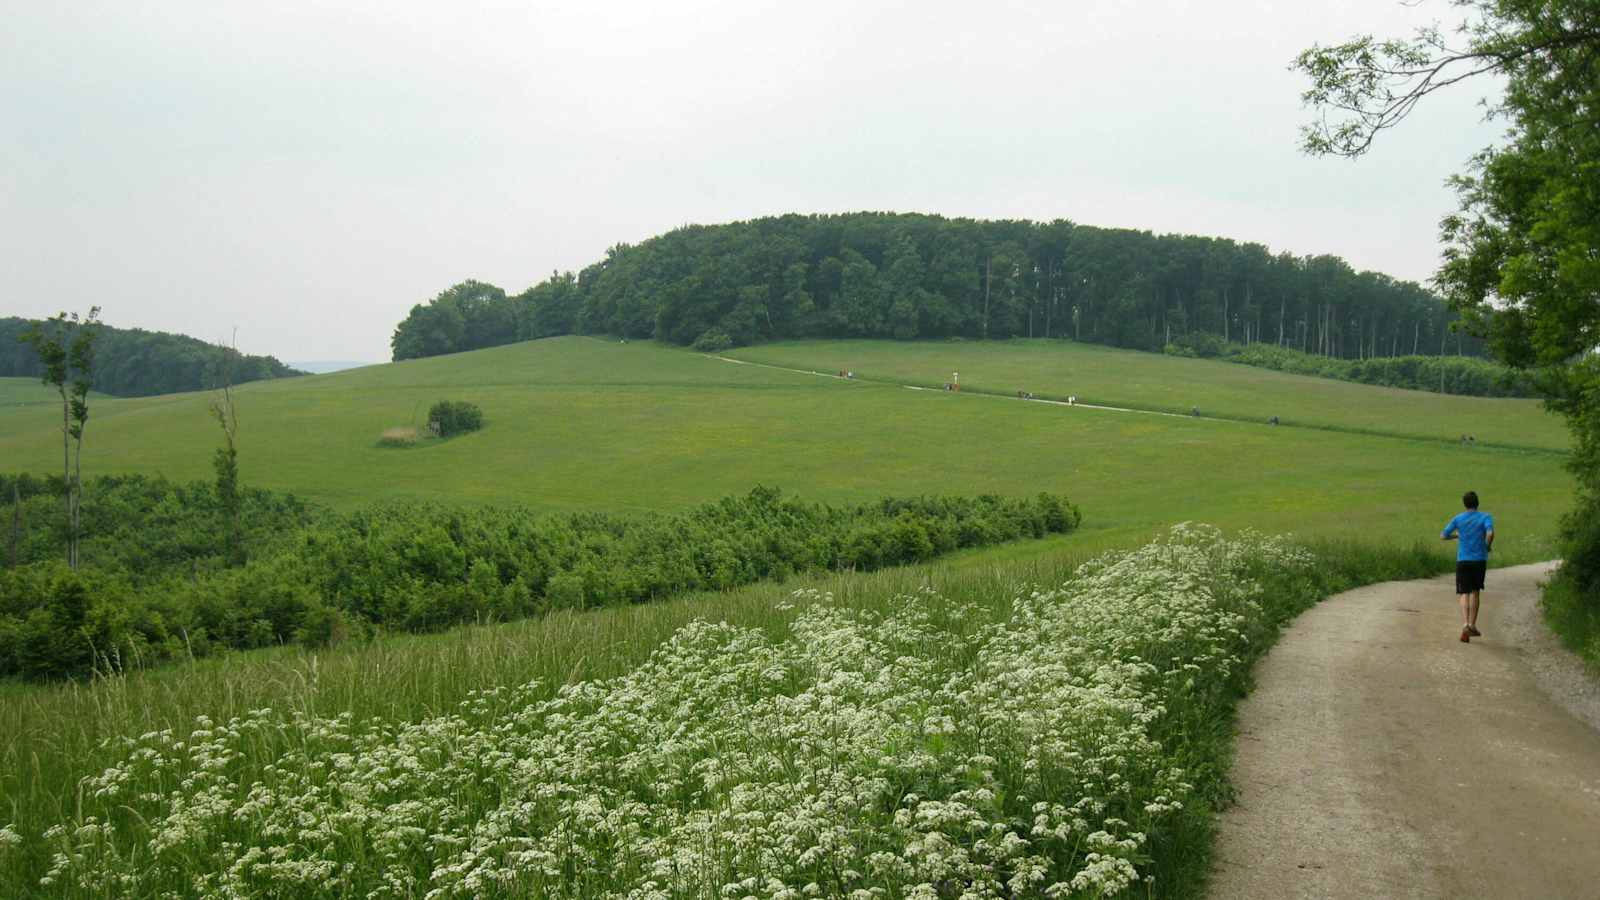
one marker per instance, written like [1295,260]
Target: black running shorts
[1469,575]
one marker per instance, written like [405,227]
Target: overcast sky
[305,172]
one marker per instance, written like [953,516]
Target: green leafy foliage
[1444,374]
[163,585]
[712,340]
[908,276]
[132,362]
[452,417]
[1519,262]
[143,529]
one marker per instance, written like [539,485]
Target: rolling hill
[582,423]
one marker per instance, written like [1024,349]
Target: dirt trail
[989,394]
[1381,757]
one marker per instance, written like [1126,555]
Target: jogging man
[1476,531]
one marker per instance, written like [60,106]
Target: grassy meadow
[586,424]
[580,423]
[31,391]
[1105,375]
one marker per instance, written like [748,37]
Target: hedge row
[1441,374]
[422,567]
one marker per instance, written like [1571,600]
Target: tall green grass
[1575,617]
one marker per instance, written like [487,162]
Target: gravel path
[1381,757]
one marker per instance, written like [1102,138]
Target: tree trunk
[1247,310]
[16,523]
[1050,293]
[66,472]
[77,492]
[988,264]
[1281,303]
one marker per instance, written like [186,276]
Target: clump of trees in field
[132,362]
[905,276]
[163,578]
[448,418]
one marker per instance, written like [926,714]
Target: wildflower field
[1065,740]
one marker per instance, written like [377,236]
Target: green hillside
[133,362]
[579,423]
[1102,375]
[22,391]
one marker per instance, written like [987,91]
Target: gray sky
[306,172]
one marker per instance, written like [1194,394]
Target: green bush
[147,528]
[1455,374]
[1201,344]
[451,417]
[423,566]
[712,340]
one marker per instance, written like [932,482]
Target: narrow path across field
[1380,757]
[914,387]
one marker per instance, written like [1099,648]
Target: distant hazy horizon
[324,366]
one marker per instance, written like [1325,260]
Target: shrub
[712,340]
[1456,374]
[452,417]
[1196,344]
[422,567]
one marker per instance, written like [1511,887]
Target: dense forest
[132,362]
[889,275]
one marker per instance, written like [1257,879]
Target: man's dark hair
[1470,499]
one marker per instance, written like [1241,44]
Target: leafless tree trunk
[16,524]
[988,264]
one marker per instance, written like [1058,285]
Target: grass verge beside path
[54,735]
[1574,617]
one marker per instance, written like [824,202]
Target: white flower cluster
[913,753]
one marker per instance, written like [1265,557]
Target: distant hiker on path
[1476,532]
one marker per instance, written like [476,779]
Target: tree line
[908,276]
[132,362]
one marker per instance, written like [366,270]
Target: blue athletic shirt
[1474,527]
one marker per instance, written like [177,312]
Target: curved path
[1381,757]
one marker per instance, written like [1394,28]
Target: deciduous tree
[65,347]
[1522,258]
